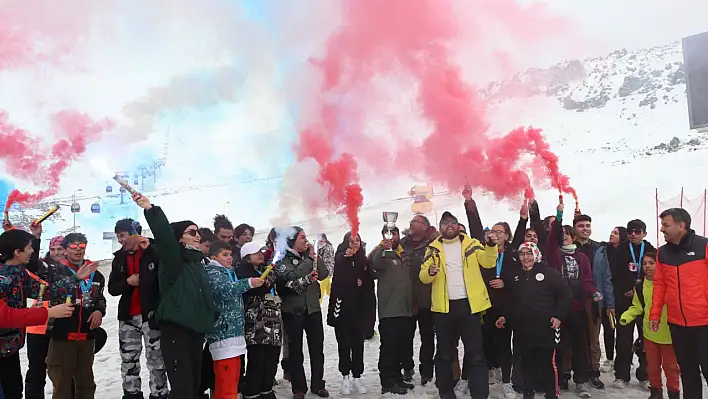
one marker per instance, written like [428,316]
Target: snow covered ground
[108,379]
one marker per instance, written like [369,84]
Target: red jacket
[21,318]
[681,282]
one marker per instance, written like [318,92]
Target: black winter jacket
[348,301]
[623,278]
[64,329]
[149,286]
[534,297]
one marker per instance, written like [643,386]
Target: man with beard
[414,246]
[452,267]
[395,313]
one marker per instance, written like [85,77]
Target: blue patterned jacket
[229,303]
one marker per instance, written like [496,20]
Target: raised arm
[474,221]
[520,227]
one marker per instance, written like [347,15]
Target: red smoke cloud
[38,35]
[25,159]
[413,39]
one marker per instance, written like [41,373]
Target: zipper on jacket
[81,309]
[678,284]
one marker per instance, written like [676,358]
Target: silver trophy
[389,219]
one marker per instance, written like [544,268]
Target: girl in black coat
[348,304]
[539,299]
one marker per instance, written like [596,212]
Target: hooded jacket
[149,287]
[186,297]
[535,296]
[226,340]
[263,324]
[349,301]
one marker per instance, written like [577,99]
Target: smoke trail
[26,159]
[385,51]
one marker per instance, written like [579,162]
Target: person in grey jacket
[395,293]
[298,284]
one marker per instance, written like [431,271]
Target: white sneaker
[462,387]
[508,391]
[498,374]
[606,366]
[346,388]
[619,383]
[645,385]
[359,386]
[492,377]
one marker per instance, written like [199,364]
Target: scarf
[568,249]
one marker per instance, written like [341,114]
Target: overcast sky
[635,23]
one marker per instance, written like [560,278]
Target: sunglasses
[635,231]
[192,233]
[77,246]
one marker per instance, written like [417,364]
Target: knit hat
[537,257]
[56,241]
[250,248]
[178,228]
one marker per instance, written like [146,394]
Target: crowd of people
[219,314]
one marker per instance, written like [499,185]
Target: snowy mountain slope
[632,114]
[617,146]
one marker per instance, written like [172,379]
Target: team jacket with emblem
[64,329]
[16,286]
[534,297]
[681,282]
[149,286]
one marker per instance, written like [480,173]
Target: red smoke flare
[26,160]
[380,38]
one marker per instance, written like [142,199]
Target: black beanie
[293,235]
[179,228]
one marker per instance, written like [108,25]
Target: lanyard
[500,261]
[232,275]
[641,257]
[84,284]
[272,290]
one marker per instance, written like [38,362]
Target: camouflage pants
[131,334]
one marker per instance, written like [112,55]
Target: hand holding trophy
[389,219]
